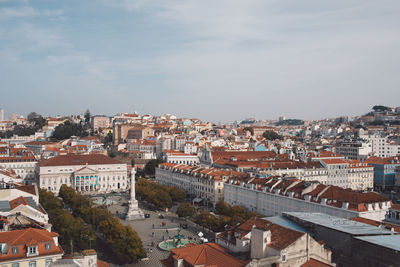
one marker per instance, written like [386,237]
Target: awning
[197,200]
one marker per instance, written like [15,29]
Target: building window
[15,250]
[283,258]
[32,251]
[48,246]
[15,264]
[32,264]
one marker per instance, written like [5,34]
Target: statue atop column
[134,213]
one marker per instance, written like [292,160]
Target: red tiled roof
[28,189]
[388,160]
[40,143]
[333,161]
[315,263]
[26,237]
[242,155]
[395,207]
[73,159]
[89,138]
[335,195]
[18,201]
[208,254]
[343,195]
[281,237]
[101,263]
[318,189]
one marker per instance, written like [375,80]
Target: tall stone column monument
[134,213]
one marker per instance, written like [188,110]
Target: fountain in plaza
[177,241]
[104,200]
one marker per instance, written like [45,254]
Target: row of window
[70,170]
[17,165]
[33,263]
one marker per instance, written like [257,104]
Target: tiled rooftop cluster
[316,192]
[207,173]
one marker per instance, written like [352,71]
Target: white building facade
[204,183]
[274,196]
[381,147]
[177,157]
[85,173]
[23,166]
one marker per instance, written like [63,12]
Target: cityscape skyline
[223,133]
[216,61]
[282,116]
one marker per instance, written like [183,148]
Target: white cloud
[233,58]
[21,12]
[280,56]
[27,12]
[52,13]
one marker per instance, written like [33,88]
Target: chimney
[178,262]
[268,237]
[259,241]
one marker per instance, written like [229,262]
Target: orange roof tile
[73,159]
[281,237]
[315,263]
[208,254]
[27,237]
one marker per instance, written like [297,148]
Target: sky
[216,60]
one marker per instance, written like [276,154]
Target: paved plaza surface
[152,231]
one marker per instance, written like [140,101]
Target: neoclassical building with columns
[91,174]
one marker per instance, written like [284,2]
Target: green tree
[159,198]
[205,218]
[87,116]
[150,167]
[123,239]
[223,208]
[278,148]
[294,149]
[108,139]
[249,129]
[23,130]
[290,122]
[221,223]
[176,194]
[185,210]
[271,135]
[67,226]
[36,120]
[380,108]
[68,129]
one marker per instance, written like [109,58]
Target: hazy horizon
[218,61]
